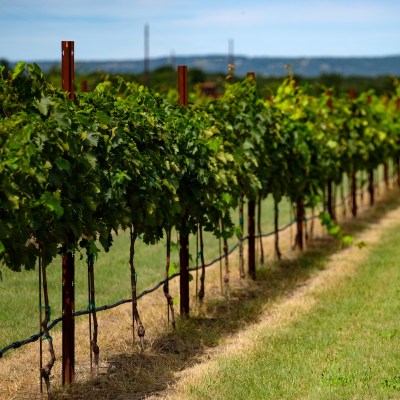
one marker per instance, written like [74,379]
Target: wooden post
[183,234]
[68,261]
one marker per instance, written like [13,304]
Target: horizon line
[222,55]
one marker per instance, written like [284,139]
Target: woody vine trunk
[46,370]
[168,297]
[135,313]
[94,347]
[331,205]
[241,260]
[353,194]
[371,187]
[260,231]
[278,253]
[252,241]
[226,258]
[184,269]
[300,223]
[203,265]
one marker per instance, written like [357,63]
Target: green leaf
[63,164]
[92,159]
[2,248]
[347,240]
[103,117]
[61,118]
[18,69]
[238,232]
[334,230]
[43,105]
[53,202]
[215,143]
[14,200]
[173,268]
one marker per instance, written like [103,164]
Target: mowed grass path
[19,304]
[346,347]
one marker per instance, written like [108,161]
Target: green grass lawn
[347,347]
[19,290]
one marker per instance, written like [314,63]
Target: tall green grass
[347,347]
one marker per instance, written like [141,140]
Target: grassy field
[348,347]
[19,290]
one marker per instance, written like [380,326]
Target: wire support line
[35,337]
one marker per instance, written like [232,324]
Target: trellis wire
[35,337]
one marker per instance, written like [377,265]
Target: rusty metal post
[183,100]
[84,86]
[352,94]
[183,97]
[68,319]
[68,261]
[68,68]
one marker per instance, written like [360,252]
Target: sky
[114,29]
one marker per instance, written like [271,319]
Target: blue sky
[113,29]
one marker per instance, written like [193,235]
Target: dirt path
[288,309]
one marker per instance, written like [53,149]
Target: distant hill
[267,66]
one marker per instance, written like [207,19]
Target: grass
[348,347]
[128,373]
[19,290]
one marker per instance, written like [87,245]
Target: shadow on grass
[138,375]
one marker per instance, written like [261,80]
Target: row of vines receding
[73,173]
